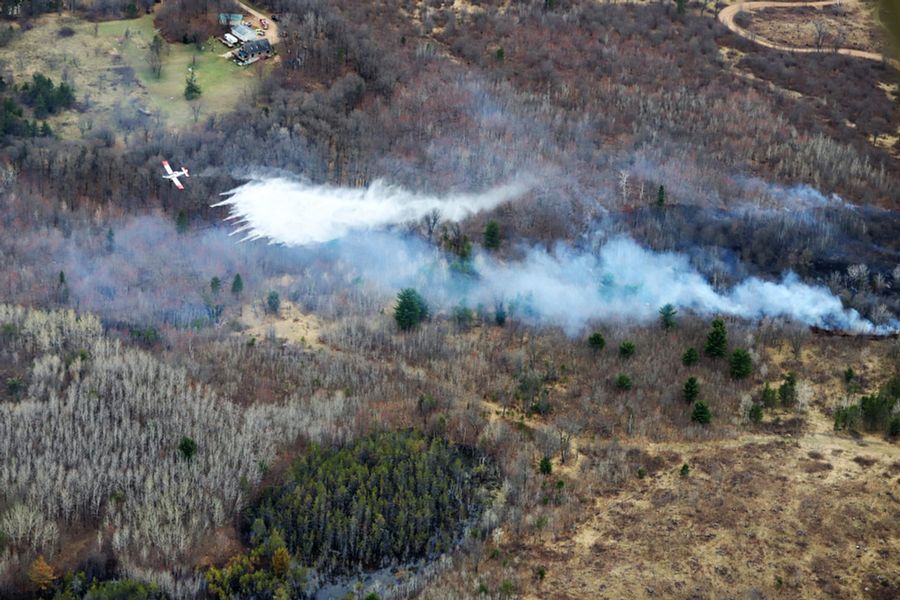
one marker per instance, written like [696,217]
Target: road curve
[727,15]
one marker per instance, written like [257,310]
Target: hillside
[449,299]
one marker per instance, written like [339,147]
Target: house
[243,33]
[251,52]
[230,19]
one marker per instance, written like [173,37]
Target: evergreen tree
[181,222]
[667,316]
[623,382]
[787,391]
[45,130]
[192,89]
[187,447]
[237,285]
[110,240]
[701,413]
[411,309]
[492,235]
[661,197]
[681,6]
[691,390]
[756,413]
[627,349]
[690,357]
[596,341]
[740,363]
[546,467]
[717,340]
[273,302]
[215,286]
[769,396]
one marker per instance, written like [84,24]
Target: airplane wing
[165,164]
[177,183]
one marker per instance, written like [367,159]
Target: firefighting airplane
[174,175]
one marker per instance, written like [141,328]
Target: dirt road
[272,32]
[727,15]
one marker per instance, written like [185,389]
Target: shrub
[65,32]
[623,382]
[741,364]
[691,390]
[717,340]
[685,470]
[849,374]
[701,413]
[596,341]
[627,349]
[690,357]
[411,309]
[14,385]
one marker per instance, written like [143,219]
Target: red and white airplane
[174,175]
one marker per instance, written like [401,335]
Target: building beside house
[230,19]
[243,33]
[251,52]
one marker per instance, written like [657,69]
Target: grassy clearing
[107,64]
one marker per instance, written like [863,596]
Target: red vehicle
[264,23]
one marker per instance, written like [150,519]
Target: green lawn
[107,63]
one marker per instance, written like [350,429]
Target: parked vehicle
[264,23]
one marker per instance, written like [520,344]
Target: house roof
[256,47]
[242,32]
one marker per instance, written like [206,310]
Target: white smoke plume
[299,213]
[568,287]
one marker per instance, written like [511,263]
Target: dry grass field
[107,64]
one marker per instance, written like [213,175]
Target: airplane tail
[186,173]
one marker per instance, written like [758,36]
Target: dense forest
[184,414]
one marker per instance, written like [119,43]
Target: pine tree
[681,6]
[627,349]
[596,341]
[273,303]
[667,316]
[492,235]
[787,391]
[623,382]
[181,222]
[769,396]
[701,413]
[187,447]
[546,467]
[237,285]
[690,357]
[411,309]
[661,197]
[691,390]
[717,340]
[110,240]
[192,89]
[756,413]
[740,363]
[215,286]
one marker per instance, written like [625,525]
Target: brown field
[852,26]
